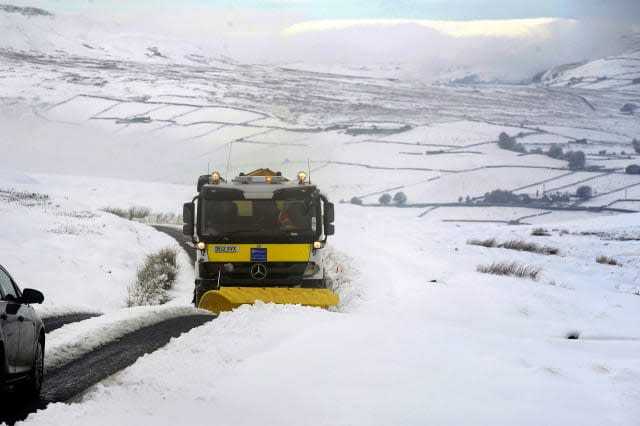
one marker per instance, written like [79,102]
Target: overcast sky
[616,10]
[512,39]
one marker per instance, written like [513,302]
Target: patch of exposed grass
[491,242]
[116,211]
[519,245]
[155,279]
[27,199]
[522,245]
[540,232]
[511,269]
[605,260]
[144,214]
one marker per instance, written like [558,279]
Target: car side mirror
[30,296]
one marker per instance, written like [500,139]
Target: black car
[21,337]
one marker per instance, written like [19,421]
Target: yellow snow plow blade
[228,298]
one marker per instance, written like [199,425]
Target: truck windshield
[251,219]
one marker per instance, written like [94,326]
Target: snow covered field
[420,336]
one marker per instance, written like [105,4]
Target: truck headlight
[201,246]
[318,245]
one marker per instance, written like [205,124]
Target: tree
[519,148]
[506,142]
[633,169]
[399,198]
[500,196]
[555,151]
[576,159]
[385,199]
[629,108]
[636,145]
[357,201]
[584,192]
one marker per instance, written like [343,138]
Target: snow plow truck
[259,237]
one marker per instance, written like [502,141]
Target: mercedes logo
[258,272]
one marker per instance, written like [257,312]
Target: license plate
[226,249]
[258,254]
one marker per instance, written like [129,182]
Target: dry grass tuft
[511,269]
[484,243]
[521,245]
[540,232]
[605,260]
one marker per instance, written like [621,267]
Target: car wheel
[33,383]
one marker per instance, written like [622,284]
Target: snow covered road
[66,380]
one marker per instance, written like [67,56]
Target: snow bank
[74,340]
[81,258]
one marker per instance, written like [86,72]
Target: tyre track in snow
[64,383]
[54,323]
[176,233]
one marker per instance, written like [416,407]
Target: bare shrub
[511,269]
[27,199]
[605,260]
[138,212]
[77,214]
[167,218]
[117,211]
[540,232]
[491,242]
[155,279]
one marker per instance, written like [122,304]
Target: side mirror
[328,213]
[187,217]
[30,296]
[329,229]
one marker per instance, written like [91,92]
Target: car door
[24,361]
[9,319]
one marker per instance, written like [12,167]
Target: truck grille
[279,274]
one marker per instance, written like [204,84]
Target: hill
[620,72]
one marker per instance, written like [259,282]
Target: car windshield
[258,218]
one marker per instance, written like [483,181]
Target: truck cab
[259,231]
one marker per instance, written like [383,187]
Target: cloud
[512,49]
[479,28]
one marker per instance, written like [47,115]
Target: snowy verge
[74,340]
[56,239]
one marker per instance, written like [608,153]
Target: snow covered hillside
[620,72]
